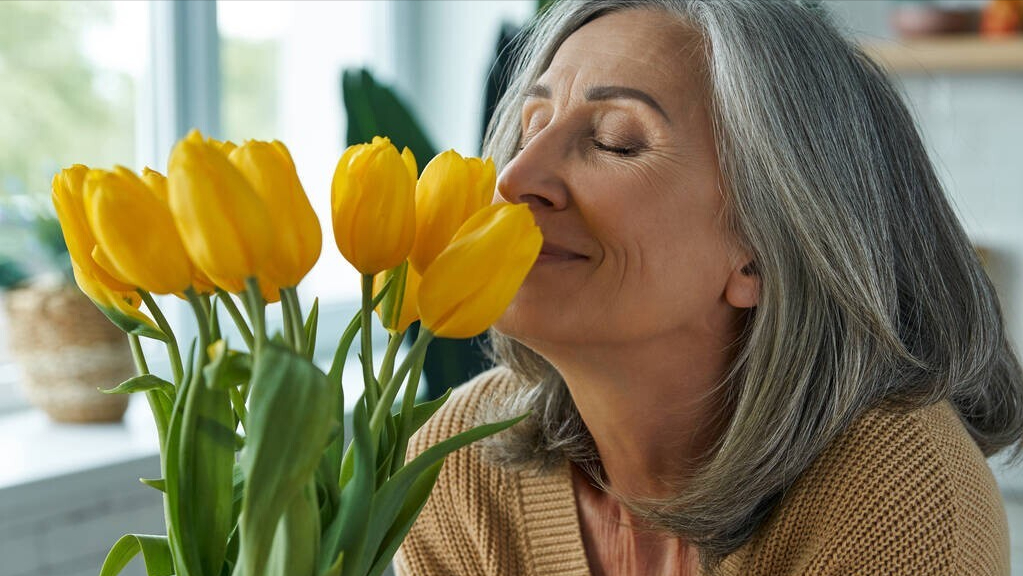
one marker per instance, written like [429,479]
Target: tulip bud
[296,229]
[469,285]
[373,205]
[223,223]
[81,244]
[449,192]
[135,231]
[400,307]
[158,184]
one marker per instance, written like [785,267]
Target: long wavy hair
[871,292]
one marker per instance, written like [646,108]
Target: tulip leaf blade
[155,552]
[142,383]
[290,423]
[415,499]
[423,411]
[204,466]
[347,532]
[155,483]
[389,501]
[311,325]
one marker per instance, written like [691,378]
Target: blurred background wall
[117,82]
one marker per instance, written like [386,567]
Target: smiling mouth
[554,253]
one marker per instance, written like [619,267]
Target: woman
[757,340]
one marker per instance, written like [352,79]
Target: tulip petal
[469,285]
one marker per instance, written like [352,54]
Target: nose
[535,176]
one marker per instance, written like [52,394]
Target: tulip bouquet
[256,479]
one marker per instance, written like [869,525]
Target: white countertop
[34,448]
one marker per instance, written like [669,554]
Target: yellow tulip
[225,146]
[468,286]
[223,223]
[135,231]
[400,307]
[296,229]
[120,307]
[449,192]
[81,244]
[373,205]
[158,184]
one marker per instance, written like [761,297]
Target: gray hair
[871,292]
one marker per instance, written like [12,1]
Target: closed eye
[617,150]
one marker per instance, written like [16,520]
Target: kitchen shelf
[949,54]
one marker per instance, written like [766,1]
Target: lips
[551,252]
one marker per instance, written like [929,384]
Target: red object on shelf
[1001,18]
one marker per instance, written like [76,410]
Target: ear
[743,287]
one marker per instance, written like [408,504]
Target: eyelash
[616,150]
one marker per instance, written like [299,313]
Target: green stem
[236,315]
[152,396]
[172,343]
[137,355]
[288,324]
[289,299]
[383,408]
[393,345]
[204,331]
[408,405]
[257,313]
[372,387]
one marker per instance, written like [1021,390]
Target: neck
[654,408]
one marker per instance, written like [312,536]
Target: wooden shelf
[949,54]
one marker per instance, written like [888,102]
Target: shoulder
[896,493]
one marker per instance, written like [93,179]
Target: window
[72,74]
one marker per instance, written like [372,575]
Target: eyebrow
[600,93]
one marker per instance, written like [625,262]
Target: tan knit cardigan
[894,495]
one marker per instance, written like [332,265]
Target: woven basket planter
[68,349]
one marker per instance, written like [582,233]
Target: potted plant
[66,349]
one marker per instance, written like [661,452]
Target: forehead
[645,49]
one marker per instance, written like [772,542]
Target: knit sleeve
[900,494]
[469,524]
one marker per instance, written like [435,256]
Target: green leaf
[142,383]
[297,538]
[157,483]
[290,421]
[422,412]
[199,478]
[347,532]
[227,368]
[311,323]
[155,553]
[415,499]
[391,498]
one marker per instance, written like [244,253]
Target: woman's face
[617,163]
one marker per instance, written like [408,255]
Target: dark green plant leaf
[375,110]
